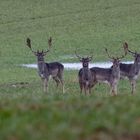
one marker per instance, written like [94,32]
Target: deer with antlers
[110,76]
[45,70]
[131,71]
[85,75]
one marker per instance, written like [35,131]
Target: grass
[89,26]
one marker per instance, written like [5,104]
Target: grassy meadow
[87,25]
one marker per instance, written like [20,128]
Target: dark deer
[131,71]
[45,70]
[85,75]
[110,76]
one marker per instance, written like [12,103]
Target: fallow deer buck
[85,75]
[131,71]
[110,76]
[45,70]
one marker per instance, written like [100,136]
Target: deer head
[40,54]
[85,60]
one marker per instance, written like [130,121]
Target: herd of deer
[89,77]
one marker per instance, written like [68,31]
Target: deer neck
[42,69]
[116,72]
[85,69]
[136,67]
[136,64]
[41,62]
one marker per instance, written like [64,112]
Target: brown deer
[45,70]
[85,75]
[131,71]
[110,76]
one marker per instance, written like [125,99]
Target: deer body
[45,70]
[131,71]
[54,69]
[85,75]
[109,76]
[85,79]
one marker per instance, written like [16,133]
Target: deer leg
[81,87]
[60,78]
[113,89]
[62,83]
[45,85]
[42,79]
[63,89]
[93,84]
[56,80]
[133,84]
[85,89]
[89,90]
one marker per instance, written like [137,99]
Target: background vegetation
[89,25]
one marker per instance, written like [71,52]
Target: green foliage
[87,25]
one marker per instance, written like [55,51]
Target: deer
[85,75]
[131,71]
[45,70]
[111,75]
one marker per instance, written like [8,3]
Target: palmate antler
[49,44]
[127,49]
[125,46]
[28,41]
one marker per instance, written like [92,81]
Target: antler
[78,55]
[90,57]
[125,46]
[127,49]
[108,54]
[28,41]
[121,57]
[50,44]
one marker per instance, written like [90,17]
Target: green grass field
[88,25]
